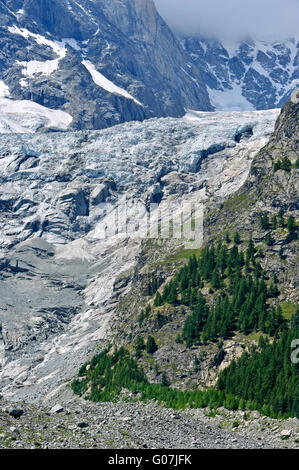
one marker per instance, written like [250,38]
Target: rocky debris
[136,425]
[286,433]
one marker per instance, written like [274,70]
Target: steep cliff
[103,62]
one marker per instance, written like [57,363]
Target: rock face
[94,64]
[58,227]
[246,75]
[281,190]
[102,62]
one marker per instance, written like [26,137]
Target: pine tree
[268,239]
[139,347]
[164,380]
[281,218]
[236,238]
[291,225]
[151,346]
[286,164]
[158,300]
[264,221]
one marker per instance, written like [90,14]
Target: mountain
[91,290]
[216,326]
[93,64]
[97,63]
[56,205]
[247,74]
[145,262]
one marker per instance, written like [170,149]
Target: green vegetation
[108,374]
[268,378]
[284,164]
[151,346]
[291,225]
[144,315]
[262,379]
[239,284]
[288,310]
[274,224]
[139,347]
[182,255]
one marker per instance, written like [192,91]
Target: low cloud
[233,19]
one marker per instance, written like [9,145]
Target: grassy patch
[255,336]
[182,255]
[288,310]
[235,202]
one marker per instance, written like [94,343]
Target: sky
[233,19]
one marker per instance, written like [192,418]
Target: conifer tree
[151,346]
[291,225]
[158,300]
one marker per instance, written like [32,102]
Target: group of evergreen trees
[267,377]
[277,221]
[265,381]
[242,296]
[284,164]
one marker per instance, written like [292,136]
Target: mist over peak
[268,20]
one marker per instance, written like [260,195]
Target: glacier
[57,188]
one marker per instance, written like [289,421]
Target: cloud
[233,19]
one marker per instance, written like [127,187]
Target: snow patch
[47,67]
[22,116]
[103,82]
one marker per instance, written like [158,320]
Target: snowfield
[23,116]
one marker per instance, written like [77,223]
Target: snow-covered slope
[246,75]
[23,116]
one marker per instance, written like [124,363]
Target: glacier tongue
[52,190]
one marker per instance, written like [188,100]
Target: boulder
[56,409]
[15,412]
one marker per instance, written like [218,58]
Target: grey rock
[14,430]
[134,49]
[16,412]
[263,73]
[79,276]
[82,425]
[57,409]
